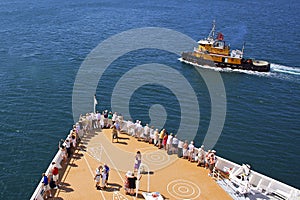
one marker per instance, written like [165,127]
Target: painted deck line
[174,178]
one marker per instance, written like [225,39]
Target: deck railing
[259,182]
[39,191]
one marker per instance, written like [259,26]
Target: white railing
[259,182]
[39,191]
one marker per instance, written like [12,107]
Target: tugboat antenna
[212,32]
[243,48]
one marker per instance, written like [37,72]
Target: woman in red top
[55,174]
[165,141]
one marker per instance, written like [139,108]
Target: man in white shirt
[175,144]
[98,117]
[180,147]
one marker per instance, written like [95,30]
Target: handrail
[38,193]
[274,186]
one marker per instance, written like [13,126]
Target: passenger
[118,127]
[201,156]
[175,145]
[74,143]
[185,149]
[89,122]
[156,137]
[102,121]
[151,135]
[165,141]
[79,130]
[135,127]
[137,161]
[114,117]
[55,174]
[161,137]
[207,155]
[191,150]
[212,162]
[98,117]
[71,130]
[71,144]
[132,183]
[169,143]
[62,148]
[109,120]
[84,124]
[105,117]
[107,174]
[130,128]
[126,182]
[68,148]
[46,186]
[75,132]
[139,130]
[146,133]
[114,134]
[104,177]
[180,149]
[98,177]
[52,184]
[94,120]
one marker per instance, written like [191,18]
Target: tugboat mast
[243,48]
[212,32]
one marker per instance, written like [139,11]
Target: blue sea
[44,43]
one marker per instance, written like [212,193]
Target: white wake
[285,69]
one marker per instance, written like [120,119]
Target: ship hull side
[189,58]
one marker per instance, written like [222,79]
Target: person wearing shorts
[55,174]
[46,187]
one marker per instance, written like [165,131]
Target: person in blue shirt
[107,173]
[46,186]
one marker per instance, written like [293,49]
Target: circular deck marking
[183,189]
[156,157]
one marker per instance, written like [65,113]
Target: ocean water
[43,44]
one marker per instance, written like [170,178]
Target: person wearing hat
[105,119]
[201,156]
[211,162]
[98,177]
[132,183]
[191,151]
[126,182]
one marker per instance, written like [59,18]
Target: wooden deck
[173,177]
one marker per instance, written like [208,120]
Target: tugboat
[213,51]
